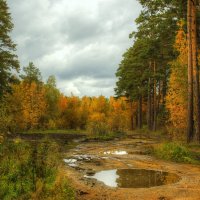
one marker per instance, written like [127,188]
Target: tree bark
[190,128]
[195,67]
[149,102]
[140,112]
[159,96]
[154,100]
[132,116]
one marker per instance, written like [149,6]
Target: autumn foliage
[38,106]
[176,99]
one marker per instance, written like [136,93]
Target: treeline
[160,71]
[33,105]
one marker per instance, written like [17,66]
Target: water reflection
[116,152]
[135,178]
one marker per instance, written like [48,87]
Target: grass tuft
[175,152]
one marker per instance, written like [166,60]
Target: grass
[106,137]
[176,152]
[194,146]
[56,131]
[145,131]
[32,171]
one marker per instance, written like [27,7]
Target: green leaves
[31,74]
[31,170]
[8,60]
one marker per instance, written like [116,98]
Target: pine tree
[8,59]
[31,74]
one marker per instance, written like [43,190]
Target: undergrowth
[175,152]
[32,171]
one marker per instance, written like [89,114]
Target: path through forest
[88,158]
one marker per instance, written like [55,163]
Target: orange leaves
[181,42]
[119,116]
[88,111]
[97,117]
[176,99]
[33,105]
[31,108]
[29,104]
[62,103]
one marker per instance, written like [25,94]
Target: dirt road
[91,157]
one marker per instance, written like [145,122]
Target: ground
[187,188]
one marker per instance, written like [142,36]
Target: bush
[97,125]
[51,124]
[30,171]
[5,117]
[175,152]
[98,128]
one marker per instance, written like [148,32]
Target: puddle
[77,159]
[70,161]
[84,157]
[134,178]
[73,165]
[115,152]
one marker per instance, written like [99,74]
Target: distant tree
[52,96]
[8,59]
[31,74]
[51,81]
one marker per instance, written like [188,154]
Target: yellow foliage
[119,116]
[176,100]
[28,104]
[97,117]
[29,107]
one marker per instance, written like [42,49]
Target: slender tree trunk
[159,95]
[164,86]
[136,119]
[140,112]
[190,128]
[161,92]
[152,107]
[132,115]
[195,67]
[149,103]
[154,100]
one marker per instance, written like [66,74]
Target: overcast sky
[81,42]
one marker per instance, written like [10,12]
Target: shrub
[174,151]
[5,118]
[98,128]
[97,124]
[30,171]
[51,124]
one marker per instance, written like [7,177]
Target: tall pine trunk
[159,95]
[132,115]
[154,99]
[149,102]
[140,112]
[195,67]
[190,128]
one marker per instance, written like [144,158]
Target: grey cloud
[82,86]
[80,28]
[80,42]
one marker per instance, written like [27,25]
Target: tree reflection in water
[135,178]
[141,178]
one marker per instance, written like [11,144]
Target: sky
[81,42]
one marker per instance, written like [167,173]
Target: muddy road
[86,162]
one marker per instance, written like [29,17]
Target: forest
[156,103]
